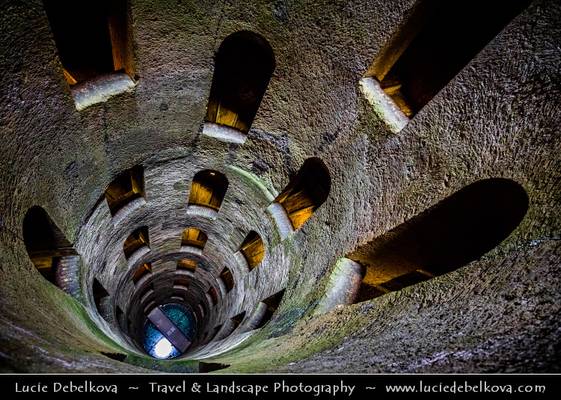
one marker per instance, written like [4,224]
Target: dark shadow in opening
[205,367]
[194,237]
[436,42]
[101,298]
[449,235]
[92,37]
[306,192]
[115,356]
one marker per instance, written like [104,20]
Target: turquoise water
[156,344]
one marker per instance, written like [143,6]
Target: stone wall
[499,117]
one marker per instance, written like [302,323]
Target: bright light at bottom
[163,348]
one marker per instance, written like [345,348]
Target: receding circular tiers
[210,278]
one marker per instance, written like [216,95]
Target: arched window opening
[101,299]
[435,43]
[253,249]
[128,186]
[271,305]
[136,240]
[449,235]
[306,192]
[188,264]
[227,279]
[208,189]
[181,281]
[243,67]
[94,42]
[194,237]
[46,245]
[141,272]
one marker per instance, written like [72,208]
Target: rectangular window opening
[120,317]
[436,41]
[193,237]
[101,298]
[93,39]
